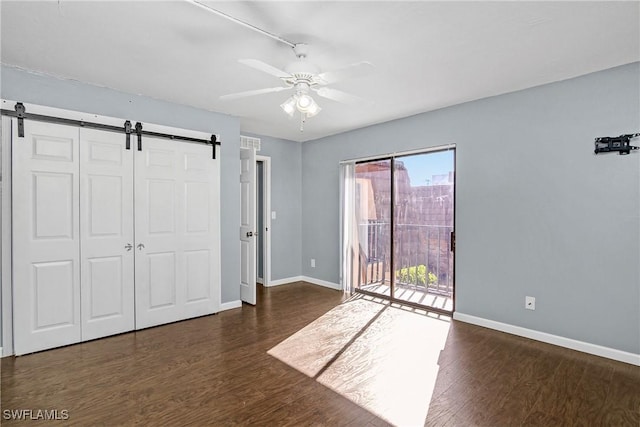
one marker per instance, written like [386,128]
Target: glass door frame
[392,158]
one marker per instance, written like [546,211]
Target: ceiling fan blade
[340,96]
[264,67]
[358,69]
[252,93]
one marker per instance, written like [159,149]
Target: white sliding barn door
[106,230]
[46,238]
[177,237]
[200,229]
[248,225]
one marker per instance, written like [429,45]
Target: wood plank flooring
[306,356]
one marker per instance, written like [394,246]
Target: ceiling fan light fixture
[313,109]
[304,102]
[289,106]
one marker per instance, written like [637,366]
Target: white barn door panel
[107,240]
[157,249]
[177,273]
[46,238]
[201,230]
[106,230]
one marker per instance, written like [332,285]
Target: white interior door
[46,244]
[106,230]
[177,270]
[248,225]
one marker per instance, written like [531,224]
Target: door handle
[249,233]
[128,247]
[140,246]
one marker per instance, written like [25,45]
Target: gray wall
[537,212]
[33,88]
[286,190]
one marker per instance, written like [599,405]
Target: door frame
[392,157]
[266,218]
[6,296]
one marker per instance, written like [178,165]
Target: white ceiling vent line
[249,142]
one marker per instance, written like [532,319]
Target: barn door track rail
[21,114]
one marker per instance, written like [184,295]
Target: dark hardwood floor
[306,356]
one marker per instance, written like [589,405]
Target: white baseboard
[582,346]
[230,305]
[285,281]
[320,282]
[260,280]
[308,279]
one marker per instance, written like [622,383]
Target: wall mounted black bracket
[621,144]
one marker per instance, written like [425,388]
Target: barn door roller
[20,115]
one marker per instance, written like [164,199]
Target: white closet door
[200,229]
[106,230]
[46,240]
[177,237]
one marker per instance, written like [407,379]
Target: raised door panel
[46,256]
[52,205]
[162,279]
[105,289]
[53,281]
[161,206]
[197,201]
[198,277]
[106,191]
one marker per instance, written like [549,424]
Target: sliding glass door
[399,218]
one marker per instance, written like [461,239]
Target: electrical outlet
[313,263]
[273,214]
[530,303]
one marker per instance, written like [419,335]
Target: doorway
[263,220]
[398,228]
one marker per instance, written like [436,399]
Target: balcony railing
[423,258]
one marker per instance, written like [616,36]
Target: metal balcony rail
[422,258]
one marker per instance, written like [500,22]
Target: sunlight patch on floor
[413,294]
[383,358]
[312,348]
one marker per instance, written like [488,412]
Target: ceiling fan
[304,77]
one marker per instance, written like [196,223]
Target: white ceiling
[427,55]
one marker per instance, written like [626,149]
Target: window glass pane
[423,223]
